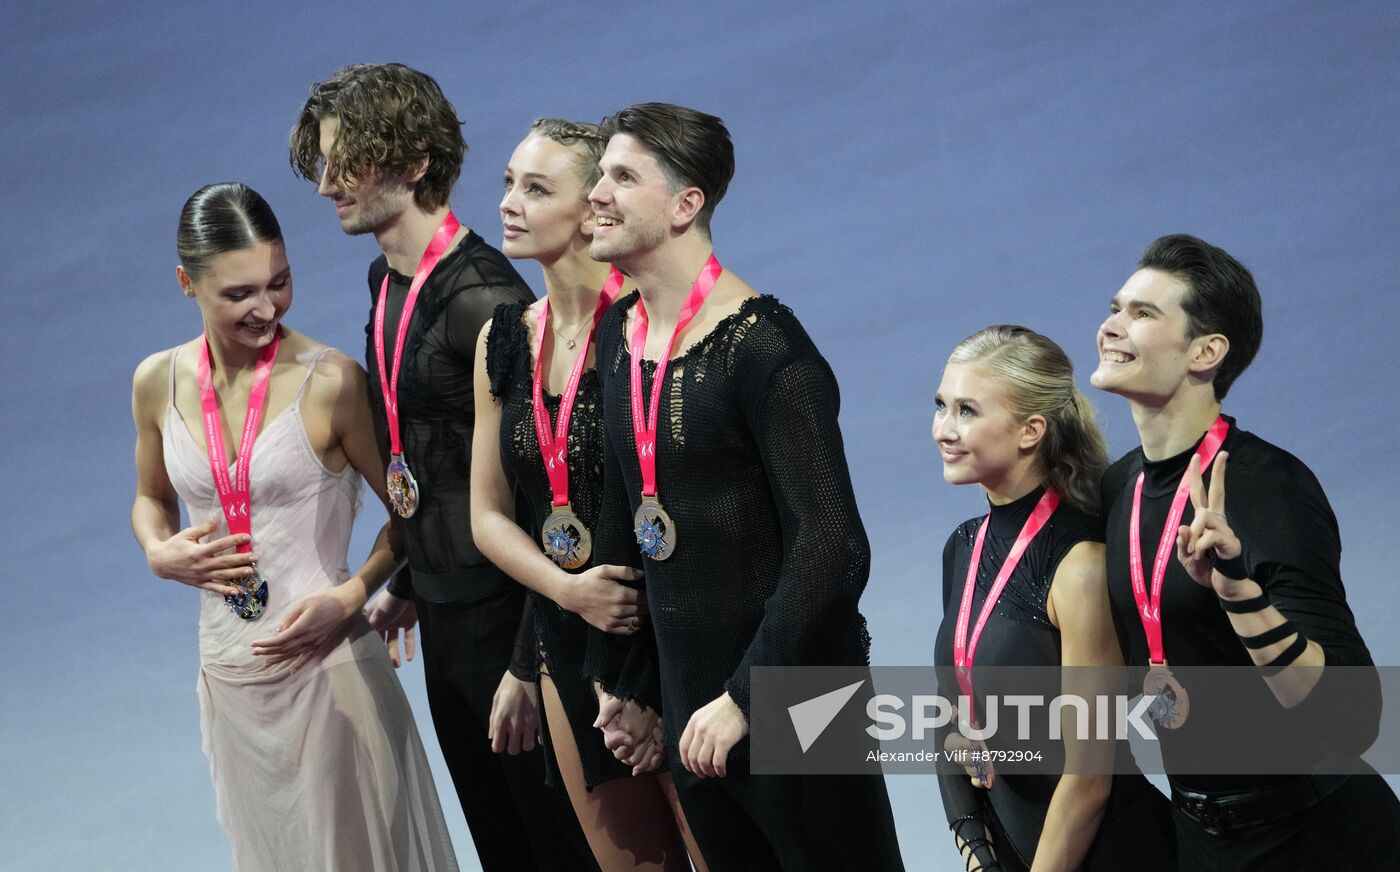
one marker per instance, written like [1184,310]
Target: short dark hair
[692,147]
[1221,297]
[391,118]
[226,216]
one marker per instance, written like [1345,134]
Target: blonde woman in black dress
[1009,418]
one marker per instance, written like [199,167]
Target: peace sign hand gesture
[1209,531]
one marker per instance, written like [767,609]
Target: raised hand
[1209,531]
[204,565]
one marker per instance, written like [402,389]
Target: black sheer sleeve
[468,313]
[812,616]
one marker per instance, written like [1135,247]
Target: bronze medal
[1172,705]
[402,488]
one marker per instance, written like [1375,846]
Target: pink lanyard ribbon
[235,495]
[554,447]
[964,650]
[1150,610]
[389,382]
[644,429]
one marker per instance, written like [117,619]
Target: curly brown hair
[392,119]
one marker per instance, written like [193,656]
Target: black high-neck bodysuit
[1019,633]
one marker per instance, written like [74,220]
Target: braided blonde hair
[583,138]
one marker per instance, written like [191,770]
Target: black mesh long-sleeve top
[562,635]
[436,410]
[1292,548]
[771,556]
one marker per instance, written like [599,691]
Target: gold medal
[656,532]
[565,539]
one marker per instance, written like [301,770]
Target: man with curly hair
[384,144]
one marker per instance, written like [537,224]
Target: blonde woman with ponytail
[1009,417]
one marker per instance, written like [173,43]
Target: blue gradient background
[907,174]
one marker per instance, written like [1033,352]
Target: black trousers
[517,821]
[789,822]
[1355,827]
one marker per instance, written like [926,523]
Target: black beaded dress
[1019,633]
[562,635]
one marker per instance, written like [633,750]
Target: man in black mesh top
[384,144]
[729,484]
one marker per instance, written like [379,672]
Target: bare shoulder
[1080,585]
[150,384]
[337,374]
[1081,572]
[730,293]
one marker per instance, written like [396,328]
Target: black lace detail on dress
[563,635]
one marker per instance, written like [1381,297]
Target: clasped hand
[632,732]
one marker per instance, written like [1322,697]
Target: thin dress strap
[170,393]
[310,370]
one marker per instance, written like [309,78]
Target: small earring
[189,292]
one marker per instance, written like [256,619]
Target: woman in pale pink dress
[315,758]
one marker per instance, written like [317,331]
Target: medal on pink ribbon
[399,482]
[654,529]
[964,648]
[564,536]
[1171,704]
[235,493]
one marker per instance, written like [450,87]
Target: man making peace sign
[1253,583]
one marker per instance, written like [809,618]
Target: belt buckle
[1213,819]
